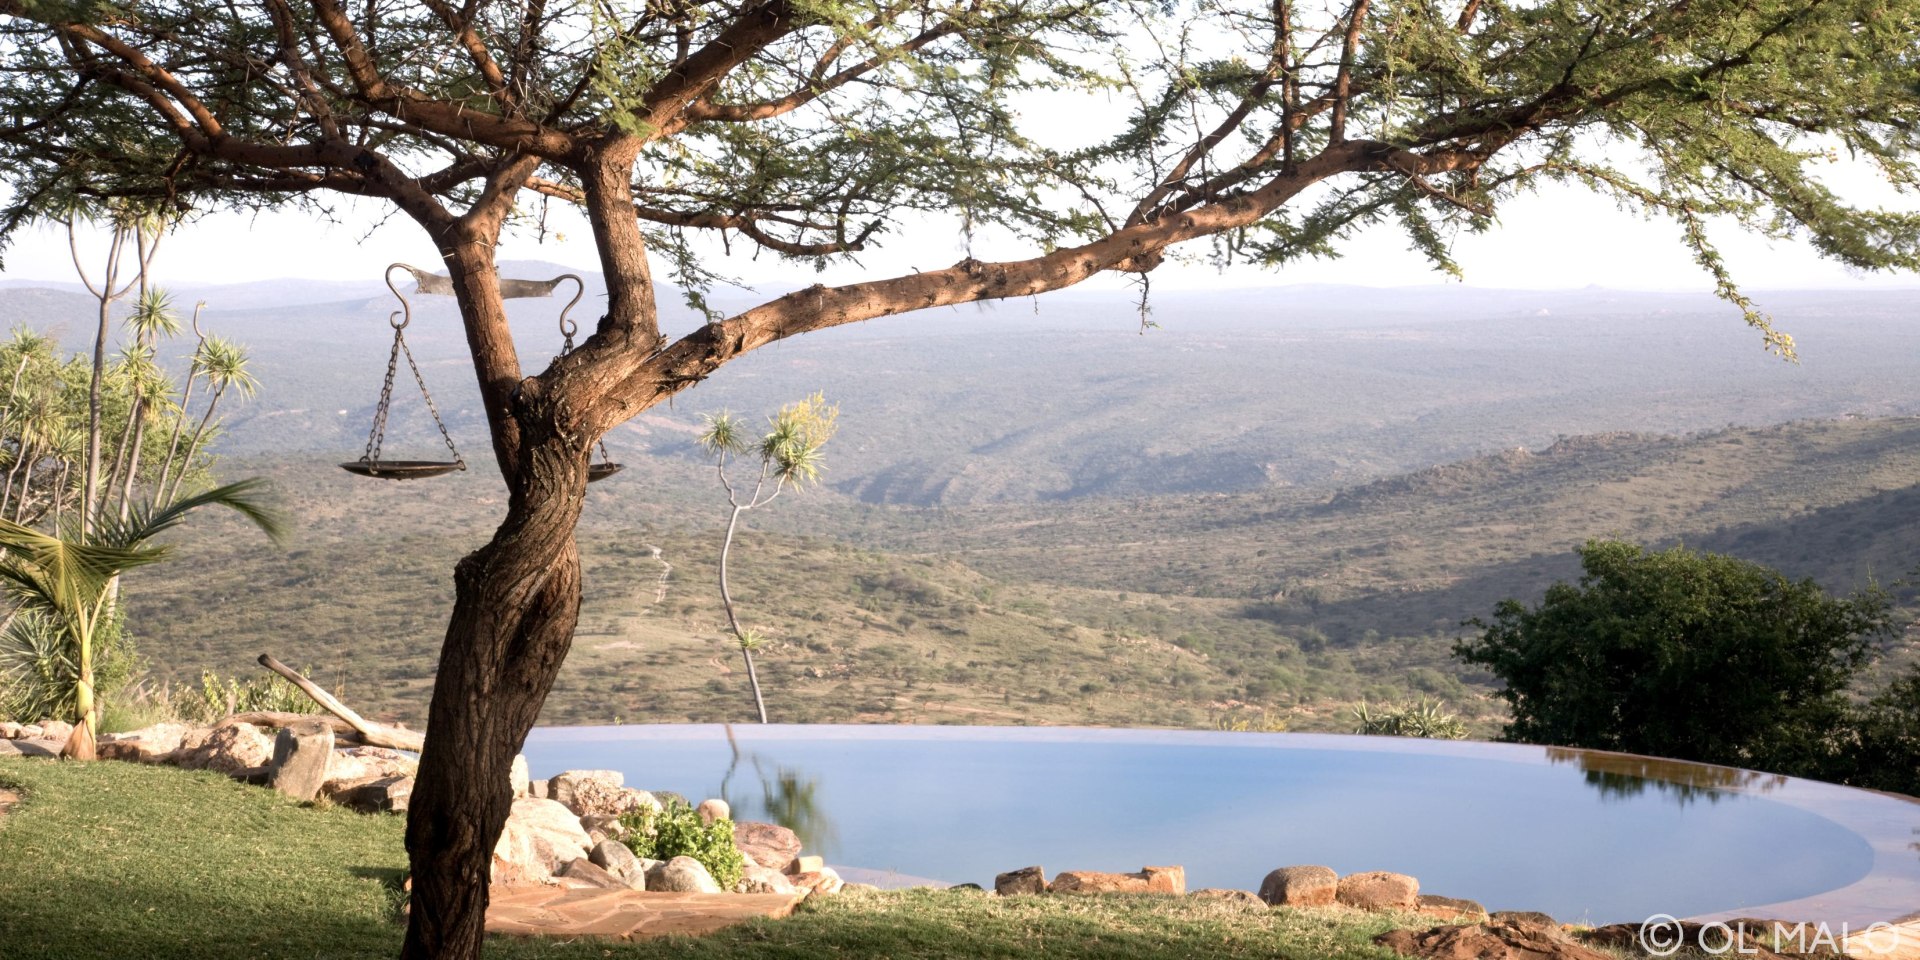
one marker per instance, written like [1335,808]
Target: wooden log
[378,734]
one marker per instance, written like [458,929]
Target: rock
[359,763]
[146,745]
[27,748]
[755,878]
[1303,886]
[300,760]
[517,779]
[1529,916]
[664,797]
[586,873]
[1498,940]
[847,888]
[371,794]
[1378,890]
[226,747]
[1148,880]
[635,799]
[682,875]
[1244,898]
[538,789]
[539,836]
[252,776]
[712,809]
[56,730]
[967,888]
[766,844]
[619,861]
[1166,880]
[601,827]
[31,731]
[584,791]
[9,730]
[804,865]
[823,881]
[1451,908]
[1024,880]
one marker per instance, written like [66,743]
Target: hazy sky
[1553,240]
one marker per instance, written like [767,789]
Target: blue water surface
[1495,823]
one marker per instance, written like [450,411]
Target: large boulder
[766,844]
[56,730]
[1301,886]
[1024,880]
[1378,890]
[540,835]
[300,760]
[1498,940]
[588,792]
[225,747]
[9,730]
[682,875]
[1148,880]
[517,775]
[146,745]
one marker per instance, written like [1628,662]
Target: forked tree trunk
[516,603]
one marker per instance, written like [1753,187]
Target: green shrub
[217,698]
[38,675]
[677,831]
[1419,719]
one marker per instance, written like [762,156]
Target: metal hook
[406,309]
[567,327]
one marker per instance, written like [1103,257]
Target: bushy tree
[1684,654]
[816,129]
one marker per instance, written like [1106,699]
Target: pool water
[1586,837]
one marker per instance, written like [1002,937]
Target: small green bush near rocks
[676,830]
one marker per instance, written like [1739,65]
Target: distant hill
[1061,398]
[1170,610]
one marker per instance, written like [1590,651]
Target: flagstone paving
[551,911]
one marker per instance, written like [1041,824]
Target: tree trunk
[726,601]
[516,602]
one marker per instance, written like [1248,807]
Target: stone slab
[540,910]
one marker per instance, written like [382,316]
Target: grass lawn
[123,861]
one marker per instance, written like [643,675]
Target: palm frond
[144,524]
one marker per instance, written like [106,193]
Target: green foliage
[1422,718]
[1684,654]
[676,830]
[216,698]
[1880,745]
[38,672]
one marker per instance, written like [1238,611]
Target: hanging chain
[376,438]
[379,432]
[422,381]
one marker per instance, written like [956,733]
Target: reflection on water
[1622,776]
[788,797]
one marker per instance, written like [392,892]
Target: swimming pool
[1585,836]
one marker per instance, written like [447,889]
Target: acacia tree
[814,128]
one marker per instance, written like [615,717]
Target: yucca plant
[790,456]
[1422,718]
[66,579]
